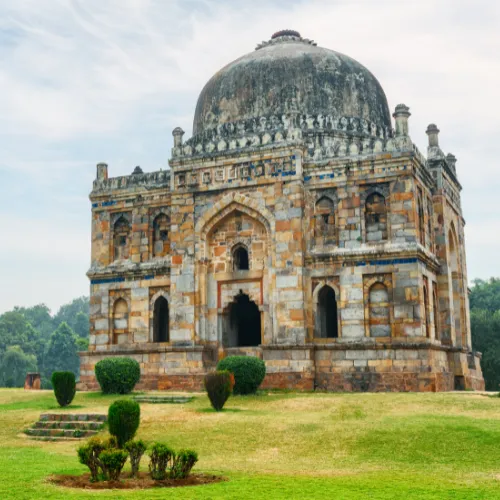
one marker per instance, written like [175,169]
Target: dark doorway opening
[244,328]
[160,320]
[240,259]
[326,316]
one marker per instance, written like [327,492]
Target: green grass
[285,445]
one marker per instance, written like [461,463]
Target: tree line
[485,325]
[34,340]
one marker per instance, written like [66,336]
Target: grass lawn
[284,446]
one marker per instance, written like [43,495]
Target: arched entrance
[160,320]
[243,326]
[326,314]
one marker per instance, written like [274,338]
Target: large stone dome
[291,74]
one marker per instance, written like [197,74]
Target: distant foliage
[123,420]
[37,334]
[117,375]
[64,385]
[219,386]
[14,366]
[249,372]
[485,325]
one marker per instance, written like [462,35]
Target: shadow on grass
[224,410]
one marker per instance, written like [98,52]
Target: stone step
[58,433]
[163,399]
[68,424]
[73,417]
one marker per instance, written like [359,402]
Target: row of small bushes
[105,459]
[241,374]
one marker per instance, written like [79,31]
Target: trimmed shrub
[183,462]
[112,463]
[64,387]
[88,455]
[161,458]
[135,450]
[249,372]
[117,375]
[219,386]
[123,420]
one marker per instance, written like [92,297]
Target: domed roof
[290,73]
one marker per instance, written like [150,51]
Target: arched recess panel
[326,321]
[324,222]
[426,319]
[376,218]
[379,311]
[120,321]
[160,236]
[236,230]
[456,285]
[435,310]
[121,239]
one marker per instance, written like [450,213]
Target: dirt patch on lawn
[144,481]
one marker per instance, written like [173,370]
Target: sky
[85,81]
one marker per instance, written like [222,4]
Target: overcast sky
[83,81]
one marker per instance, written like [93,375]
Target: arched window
[380,325]
[240,259]
[375,218]
[121,239]
[421,222]
[426,313]
[161,320]
[160,236]
[326,314]
[324,221]
[437,336]
[120,322]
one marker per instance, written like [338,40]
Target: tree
[14,366]
[39,317]
[485,295]
[69,313]
[82,325]
[62,351]
[13,330]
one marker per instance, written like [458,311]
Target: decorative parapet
[138,180]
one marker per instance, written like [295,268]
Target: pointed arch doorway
[242,323]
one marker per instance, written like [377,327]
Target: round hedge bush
[117,375]
[64,387]
[249,372]
[124,417]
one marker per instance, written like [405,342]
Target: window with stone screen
[121,239]
[160,236]
[324,221]
[375,218]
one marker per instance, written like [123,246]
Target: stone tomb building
[298,224]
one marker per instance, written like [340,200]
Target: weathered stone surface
[295,225]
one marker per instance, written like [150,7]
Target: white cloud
[85,80]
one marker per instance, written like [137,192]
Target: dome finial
[281,33]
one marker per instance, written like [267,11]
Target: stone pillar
[182,288]
[401,115]
[102,171]
[433,150]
